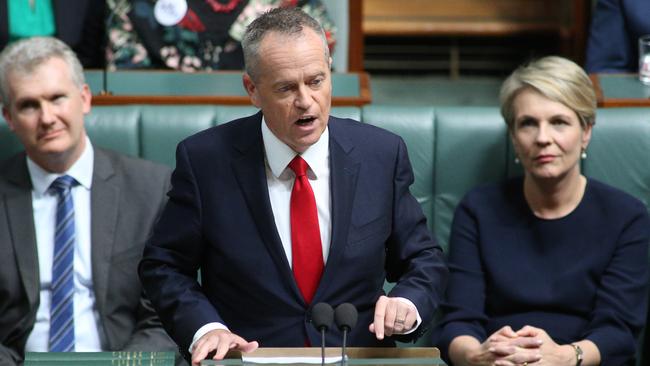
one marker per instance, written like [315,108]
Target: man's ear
[7,117]
[251,89]
[86,98]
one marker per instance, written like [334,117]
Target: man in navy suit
[616,26]
[231,214]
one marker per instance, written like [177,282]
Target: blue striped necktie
[62,309]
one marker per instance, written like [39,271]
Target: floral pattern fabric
[203,40]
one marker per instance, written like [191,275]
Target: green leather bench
[452,149]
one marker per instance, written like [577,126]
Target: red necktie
[306,248]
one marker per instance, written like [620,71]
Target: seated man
[73,218]
[288,208]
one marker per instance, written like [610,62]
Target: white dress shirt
[86,325]
[280,179]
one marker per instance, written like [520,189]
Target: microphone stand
[323,315]
[345,341]
[345,317]
[322,346]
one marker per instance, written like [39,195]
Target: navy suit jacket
[616,26]
[219,220]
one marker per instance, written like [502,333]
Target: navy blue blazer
[581,276]
[219,220]
[616,26]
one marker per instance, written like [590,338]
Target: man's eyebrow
[319,73]
[24,100]
[282,83]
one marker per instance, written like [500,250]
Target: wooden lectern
[355,356]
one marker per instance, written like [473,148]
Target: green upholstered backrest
[163,127]
[416,125]
[452,149]
[225,114]
[9,143]
[471,149]
[620,149]
[115,128]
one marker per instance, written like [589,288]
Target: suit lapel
[104,206]
[250,172]
[21,224]
[344,169]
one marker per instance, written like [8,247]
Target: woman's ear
[586,135]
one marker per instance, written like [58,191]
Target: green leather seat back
[226,114]
[416,126]
[163,127]
[471,149]
[619,150]
[115,128]
[9,143]
[347,112]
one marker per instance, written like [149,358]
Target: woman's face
[547,136]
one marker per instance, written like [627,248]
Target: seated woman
[549,268]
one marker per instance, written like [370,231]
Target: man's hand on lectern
[393,316]
[219,342]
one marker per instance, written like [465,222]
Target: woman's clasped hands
[527,346]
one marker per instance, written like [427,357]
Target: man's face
[46,111]
[293,87]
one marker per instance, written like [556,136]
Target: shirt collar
[279,154]
[81,171]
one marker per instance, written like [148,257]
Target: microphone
[322,316]
[345,317]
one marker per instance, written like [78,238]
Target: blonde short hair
[558,79]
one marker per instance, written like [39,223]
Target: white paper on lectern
[289,360]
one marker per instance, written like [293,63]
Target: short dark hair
[289,21]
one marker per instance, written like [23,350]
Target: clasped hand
[529,345]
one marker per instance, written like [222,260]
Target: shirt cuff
[418,319]
[205,329]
